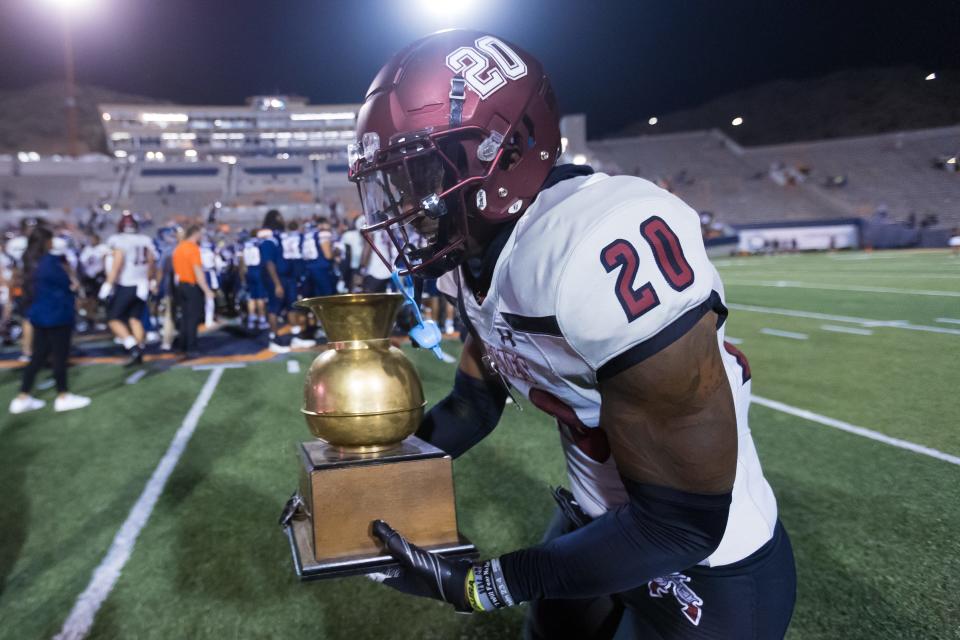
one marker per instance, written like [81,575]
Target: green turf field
[876,529]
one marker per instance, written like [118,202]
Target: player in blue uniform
[273,269]
[318,260]
[252,270]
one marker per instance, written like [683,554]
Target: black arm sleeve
[658,532]
[465,417]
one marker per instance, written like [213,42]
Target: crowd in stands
[150,284]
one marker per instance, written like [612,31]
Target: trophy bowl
[361,394]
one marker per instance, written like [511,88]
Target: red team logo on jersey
[676,583]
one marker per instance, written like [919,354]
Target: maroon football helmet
[127,223]
[457,133]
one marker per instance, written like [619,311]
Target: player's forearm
[465,417]
[272,272]
[660,531]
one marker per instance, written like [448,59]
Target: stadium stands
[900,173]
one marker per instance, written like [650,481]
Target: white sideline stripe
[853,330]
[733,340]
[293,366]
[949,320]
[860,431]
[105,576]
[214,367]
[784,334]
[896,324]
[136,376]
[791,284]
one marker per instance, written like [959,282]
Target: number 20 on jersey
[667,253]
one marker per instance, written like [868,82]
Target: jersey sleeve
[268,251]
[634,283]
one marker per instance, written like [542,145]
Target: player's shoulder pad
[635,280]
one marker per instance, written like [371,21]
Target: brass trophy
[363,400]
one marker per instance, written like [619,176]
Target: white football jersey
[251,252]
[16,247]
[290,242]
[93,259]
[600,273]
[137,249]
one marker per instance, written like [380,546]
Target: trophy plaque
[362,401]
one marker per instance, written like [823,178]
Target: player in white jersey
[593,297]
[128,284]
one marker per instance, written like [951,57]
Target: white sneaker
[23,357]
[70,401]
[446,357]
[22,405]
[448,327]
[278,348]
[152,337]
[302,343]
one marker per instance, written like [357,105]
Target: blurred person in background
[251,272]
[167,240]
[291,244]
[272,261]
[192,288]
[127,286]
[353,246]
[211,274]
[92,270]
[49,287]
[373,272]
[15,249]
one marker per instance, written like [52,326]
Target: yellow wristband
[473,596]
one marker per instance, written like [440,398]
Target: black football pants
[749,600]
[190,302]
[51,343]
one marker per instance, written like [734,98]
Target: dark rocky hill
[847,103]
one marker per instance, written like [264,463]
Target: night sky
[615,60]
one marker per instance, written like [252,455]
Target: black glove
[467,586]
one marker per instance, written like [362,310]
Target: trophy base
[307,567]
[328,521]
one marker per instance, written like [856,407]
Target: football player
[273,267]
[592,296]
[252,275]
[128,284]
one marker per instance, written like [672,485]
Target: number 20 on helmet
[456,135]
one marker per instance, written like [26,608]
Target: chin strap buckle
[458,95]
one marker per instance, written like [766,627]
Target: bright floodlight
[737,121]
[931,76]
[445,9]
[652,121]
[70,5]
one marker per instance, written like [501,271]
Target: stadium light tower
[66,9]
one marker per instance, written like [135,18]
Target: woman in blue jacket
[49,286]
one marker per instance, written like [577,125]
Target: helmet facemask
[416,191]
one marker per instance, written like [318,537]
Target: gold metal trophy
[363,400]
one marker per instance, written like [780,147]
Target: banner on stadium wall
[812,235]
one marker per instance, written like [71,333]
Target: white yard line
[949,320]
[733,340]
[214,367]
[792,284]
[105,576]
[860,431]
[136,376]
[784,334]
[866,322]
[838,329]
[293,366]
